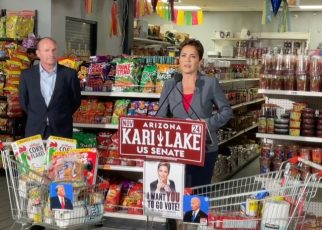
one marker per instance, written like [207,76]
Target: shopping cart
[29,199]
[275,200]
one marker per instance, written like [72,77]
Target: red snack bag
[113,198]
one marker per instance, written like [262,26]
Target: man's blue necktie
[193,216]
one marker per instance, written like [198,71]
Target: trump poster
[163,189]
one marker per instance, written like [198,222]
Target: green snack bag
[120,109]
[147,83]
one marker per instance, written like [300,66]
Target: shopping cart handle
[294,160]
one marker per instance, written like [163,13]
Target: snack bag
[31,153]
[113,198]
[136,199]
[153,108]
[147,83]
[127,75]
[89,158]
[120,108]
[165,72]
[85,140]
[58,144]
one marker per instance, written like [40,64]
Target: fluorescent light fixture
[310,7]
[187,7]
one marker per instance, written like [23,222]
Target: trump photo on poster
[163,189]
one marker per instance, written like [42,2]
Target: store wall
[100,14]
[51,20]
[235,21]
[43,8]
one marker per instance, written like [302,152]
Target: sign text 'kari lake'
[163,139]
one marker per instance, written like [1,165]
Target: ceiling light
[310,7]
[187,7]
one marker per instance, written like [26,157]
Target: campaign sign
[152,138]
[163,184]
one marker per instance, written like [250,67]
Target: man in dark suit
[195,214]
[60,201]
[49,93]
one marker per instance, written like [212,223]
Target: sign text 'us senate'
[162,138]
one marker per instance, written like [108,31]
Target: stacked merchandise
[290,72]
[272,156]
[299,121]
[123,194]
[127,74]
[239,154]
[16,24]
[40,171]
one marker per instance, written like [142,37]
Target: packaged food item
[113,198]
[58,144]
[136,199]
[120,108]
[85,140]
[164,73]
[153,108]
[31,153]
[139,108]
[147,82]
[127,75]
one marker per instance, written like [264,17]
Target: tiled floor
[109,223]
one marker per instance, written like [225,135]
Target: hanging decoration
[179,16]
[141,8]
[154,5]
[284,21]
[88,6]
[266,15]
[115,29]
[276,5]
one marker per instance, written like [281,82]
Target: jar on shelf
[315,83]
[289,80]
[301,82]
[264,80]
[276,80]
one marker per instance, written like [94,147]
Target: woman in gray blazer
[193,96]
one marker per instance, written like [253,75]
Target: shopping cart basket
[275,200]
[29,199]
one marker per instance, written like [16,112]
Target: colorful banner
[168,139]
[163,189]
[179,17]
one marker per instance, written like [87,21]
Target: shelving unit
[121,94]
[96,126]
[150,41]
[121,168]
[289,138]
[290,93]
[125,215]
[238,134]
[238,80]
[248,103]
[236,170]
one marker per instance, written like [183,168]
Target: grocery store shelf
[248,103]
[121,168]
[228,59]
[289,138]
[125,215]
[239,133]
[121,94]
[290,93]
[234,39]
[238,80]
[150,41]
[97,126]
[236,170]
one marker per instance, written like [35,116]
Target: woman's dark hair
[166,164]
[193,42]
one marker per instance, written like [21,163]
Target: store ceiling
[236,5]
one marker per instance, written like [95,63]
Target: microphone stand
[177,77]
[194,112]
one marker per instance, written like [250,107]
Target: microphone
[177,78]
[194,112]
